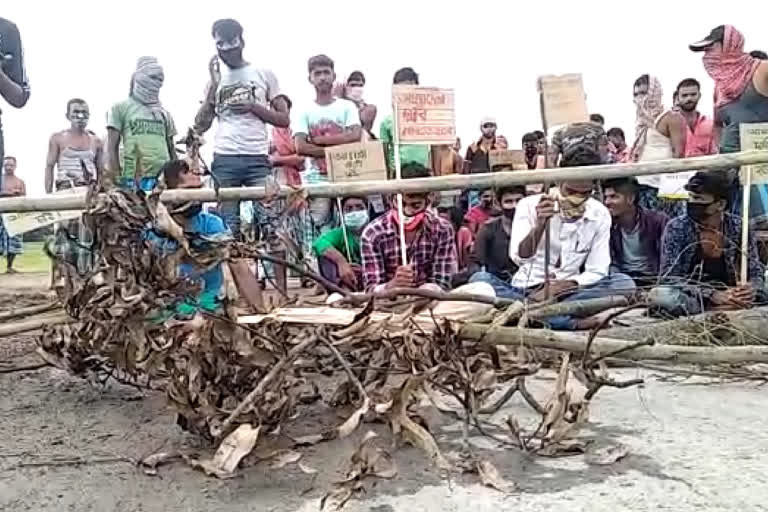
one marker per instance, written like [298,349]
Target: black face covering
[508,213]
[698,211]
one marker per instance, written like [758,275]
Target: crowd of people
[677,237]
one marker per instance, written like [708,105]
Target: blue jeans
[612,284]
[238,171]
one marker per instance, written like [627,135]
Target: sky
[490,52]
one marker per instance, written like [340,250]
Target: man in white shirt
[579,255]
[245,99]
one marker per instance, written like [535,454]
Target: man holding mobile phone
[14,87]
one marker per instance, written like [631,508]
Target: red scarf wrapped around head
[731,68]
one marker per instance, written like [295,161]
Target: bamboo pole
[35,323]
[437,183]
[29,310]
[576,343]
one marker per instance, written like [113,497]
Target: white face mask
[356,219]
[354,92]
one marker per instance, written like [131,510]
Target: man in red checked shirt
[431,249]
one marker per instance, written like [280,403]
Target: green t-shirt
[335,238]
[408,152]
[143,127]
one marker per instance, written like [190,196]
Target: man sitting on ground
[701,255]
[339,260]
[635,234]
[202,228]
[492,244]
[579,252]
[431,250]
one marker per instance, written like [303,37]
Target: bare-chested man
[13,186]
[72,149]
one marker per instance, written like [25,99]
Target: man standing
[245,99]
[477,152]
[353,91]
[328,121]
[635,233]
[699,139]
[14,86]
[619,143]
[579,252]
[409,153]
[701,255]
[75,153]
[430,245]
[13,186]
[482,213]
[492,243]
[660,136]
[143,127]
[339,257]
[598,119]
[741,96]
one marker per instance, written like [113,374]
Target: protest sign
[424,115]
[671,186]
[563,99]
[510,159]
[754,136]
[359,161]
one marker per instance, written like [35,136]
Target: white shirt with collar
[573,245]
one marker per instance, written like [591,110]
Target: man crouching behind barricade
[701,255]
[201,228]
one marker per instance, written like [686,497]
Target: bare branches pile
[219,375]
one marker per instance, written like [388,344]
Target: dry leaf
[307,469]
[352,423]
[233,448]
[490,477]
[150,463]
[606,455]
[563,448]
[284,457]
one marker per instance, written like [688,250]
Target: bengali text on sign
[425,115]
[360,161]
[754,136]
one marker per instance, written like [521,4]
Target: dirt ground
[68,446]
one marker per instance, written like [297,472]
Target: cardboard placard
[563,99]
[17,223]
[671,185]
[425,115]
[507,158]
[359,161]
[755,136]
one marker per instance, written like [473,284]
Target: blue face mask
[356,219]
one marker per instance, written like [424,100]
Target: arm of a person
[99,158]
[112,168]
[525,236]
[458,163]
[676,130]
[386,137]
[348,136]
[327,243]
[13,79]
[760,79]
[207,111]
[16,95]
[289,160]
[50,162]
[374,270]
[445,262]
[481,244]
[306,148]
[277,115]
[598,260]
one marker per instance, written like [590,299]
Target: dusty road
[693,447]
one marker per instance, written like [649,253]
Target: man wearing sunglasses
[245,99]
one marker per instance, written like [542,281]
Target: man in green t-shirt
[339,261]
[144,128]
[409,153]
